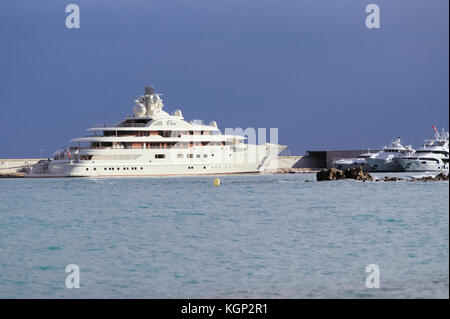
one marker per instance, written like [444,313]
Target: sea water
[255,236]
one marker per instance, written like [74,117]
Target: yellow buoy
[217,182]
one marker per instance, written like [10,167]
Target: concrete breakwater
[12,175]
[289,170]
[16,165]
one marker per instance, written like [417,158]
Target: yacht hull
[249,159]
[343,166]
[409,165]
[383,165]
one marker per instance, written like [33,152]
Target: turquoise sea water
[259,236]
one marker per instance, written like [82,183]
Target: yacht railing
[102,125]
[119,125]
[132,125]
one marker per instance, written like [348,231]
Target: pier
[16,167]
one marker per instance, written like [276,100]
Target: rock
[392,179]
[330,174]
[350,173]
[442,177]
[439,177]
[358,174]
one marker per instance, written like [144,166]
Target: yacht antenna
[149,90]
[435,131]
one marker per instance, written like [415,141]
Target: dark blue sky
[310,68]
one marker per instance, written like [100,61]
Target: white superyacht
[432,157]
[153,142]
[387,159]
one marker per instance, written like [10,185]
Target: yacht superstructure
[153,142]
[432,157]
[386,160]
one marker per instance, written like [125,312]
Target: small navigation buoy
[216,181]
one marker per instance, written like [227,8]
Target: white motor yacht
[386,160]
[432,157]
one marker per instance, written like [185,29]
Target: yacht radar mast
[149,105]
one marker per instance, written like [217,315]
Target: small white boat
[353,162]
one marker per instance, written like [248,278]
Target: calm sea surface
[265,236]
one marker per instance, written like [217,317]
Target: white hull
[384,165]
[350,163]
[410,165]
[226,160]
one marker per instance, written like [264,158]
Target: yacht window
[180,156]
[190,156]
[198,155]
[429,159]
[160,155]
